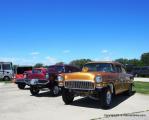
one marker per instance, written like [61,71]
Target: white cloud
[66,51]
[50,60]
[34,53]
[107,58]
[104,51]
[8,59]
[18,61]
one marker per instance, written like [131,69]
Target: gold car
[99,80]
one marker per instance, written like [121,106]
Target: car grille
[43,81]
[82,85]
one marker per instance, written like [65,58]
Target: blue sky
[50,31]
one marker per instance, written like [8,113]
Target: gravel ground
[18,104]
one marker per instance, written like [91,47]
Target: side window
[67,69]
[118,69]
[6,67]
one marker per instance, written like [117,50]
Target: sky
[51,31]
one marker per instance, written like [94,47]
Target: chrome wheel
[108,97]
[56,90]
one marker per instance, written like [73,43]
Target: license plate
[34,81]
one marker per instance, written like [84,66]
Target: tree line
[143,61]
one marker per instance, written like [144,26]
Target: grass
[141,87]
[2,81]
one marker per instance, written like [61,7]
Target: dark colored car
[21,73]
[140,71]
[50,79]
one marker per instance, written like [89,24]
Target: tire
[6,78]
[129,92]
[21,86]
[106,98]
[67,96]
[55,91]
[34,90]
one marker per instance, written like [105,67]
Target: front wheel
[34,90]
[21,86]
[106,98]
[67,96]
[55,91]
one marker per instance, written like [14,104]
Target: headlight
[47,76]
[60,78]
[98,79]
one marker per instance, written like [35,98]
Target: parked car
[99,80]
[21,73]
[6,70]
[140,71]
[49,79]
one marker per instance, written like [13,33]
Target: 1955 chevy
[99,80]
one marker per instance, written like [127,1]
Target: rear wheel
[129,92]
[34,90]
[6,78]
[21,86]
[106,98]
[67,96]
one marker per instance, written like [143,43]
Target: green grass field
[141,87]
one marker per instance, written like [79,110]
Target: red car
[42,78]
[20,74]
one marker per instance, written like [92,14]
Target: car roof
[40,68]
[62,65]
[111,62]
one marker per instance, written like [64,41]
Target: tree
[145,58]
[38,65]
[122,61]
[60,63]
[135,62]
[80,62]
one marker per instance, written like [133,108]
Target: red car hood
[36,76]
[19,76]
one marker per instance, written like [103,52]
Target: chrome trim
[79,84]
[28,81]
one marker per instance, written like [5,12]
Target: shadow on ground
[44,93]
[90,103]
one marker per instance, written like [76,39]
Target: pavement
[18,104]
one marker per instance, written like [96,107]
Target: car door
[120,80]
[125,78]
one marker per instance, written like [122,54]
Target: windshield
[60,69]
[37,71]
[100,67]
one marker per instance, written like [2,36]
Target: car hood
[90,76]
[36,76]
[19,76]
